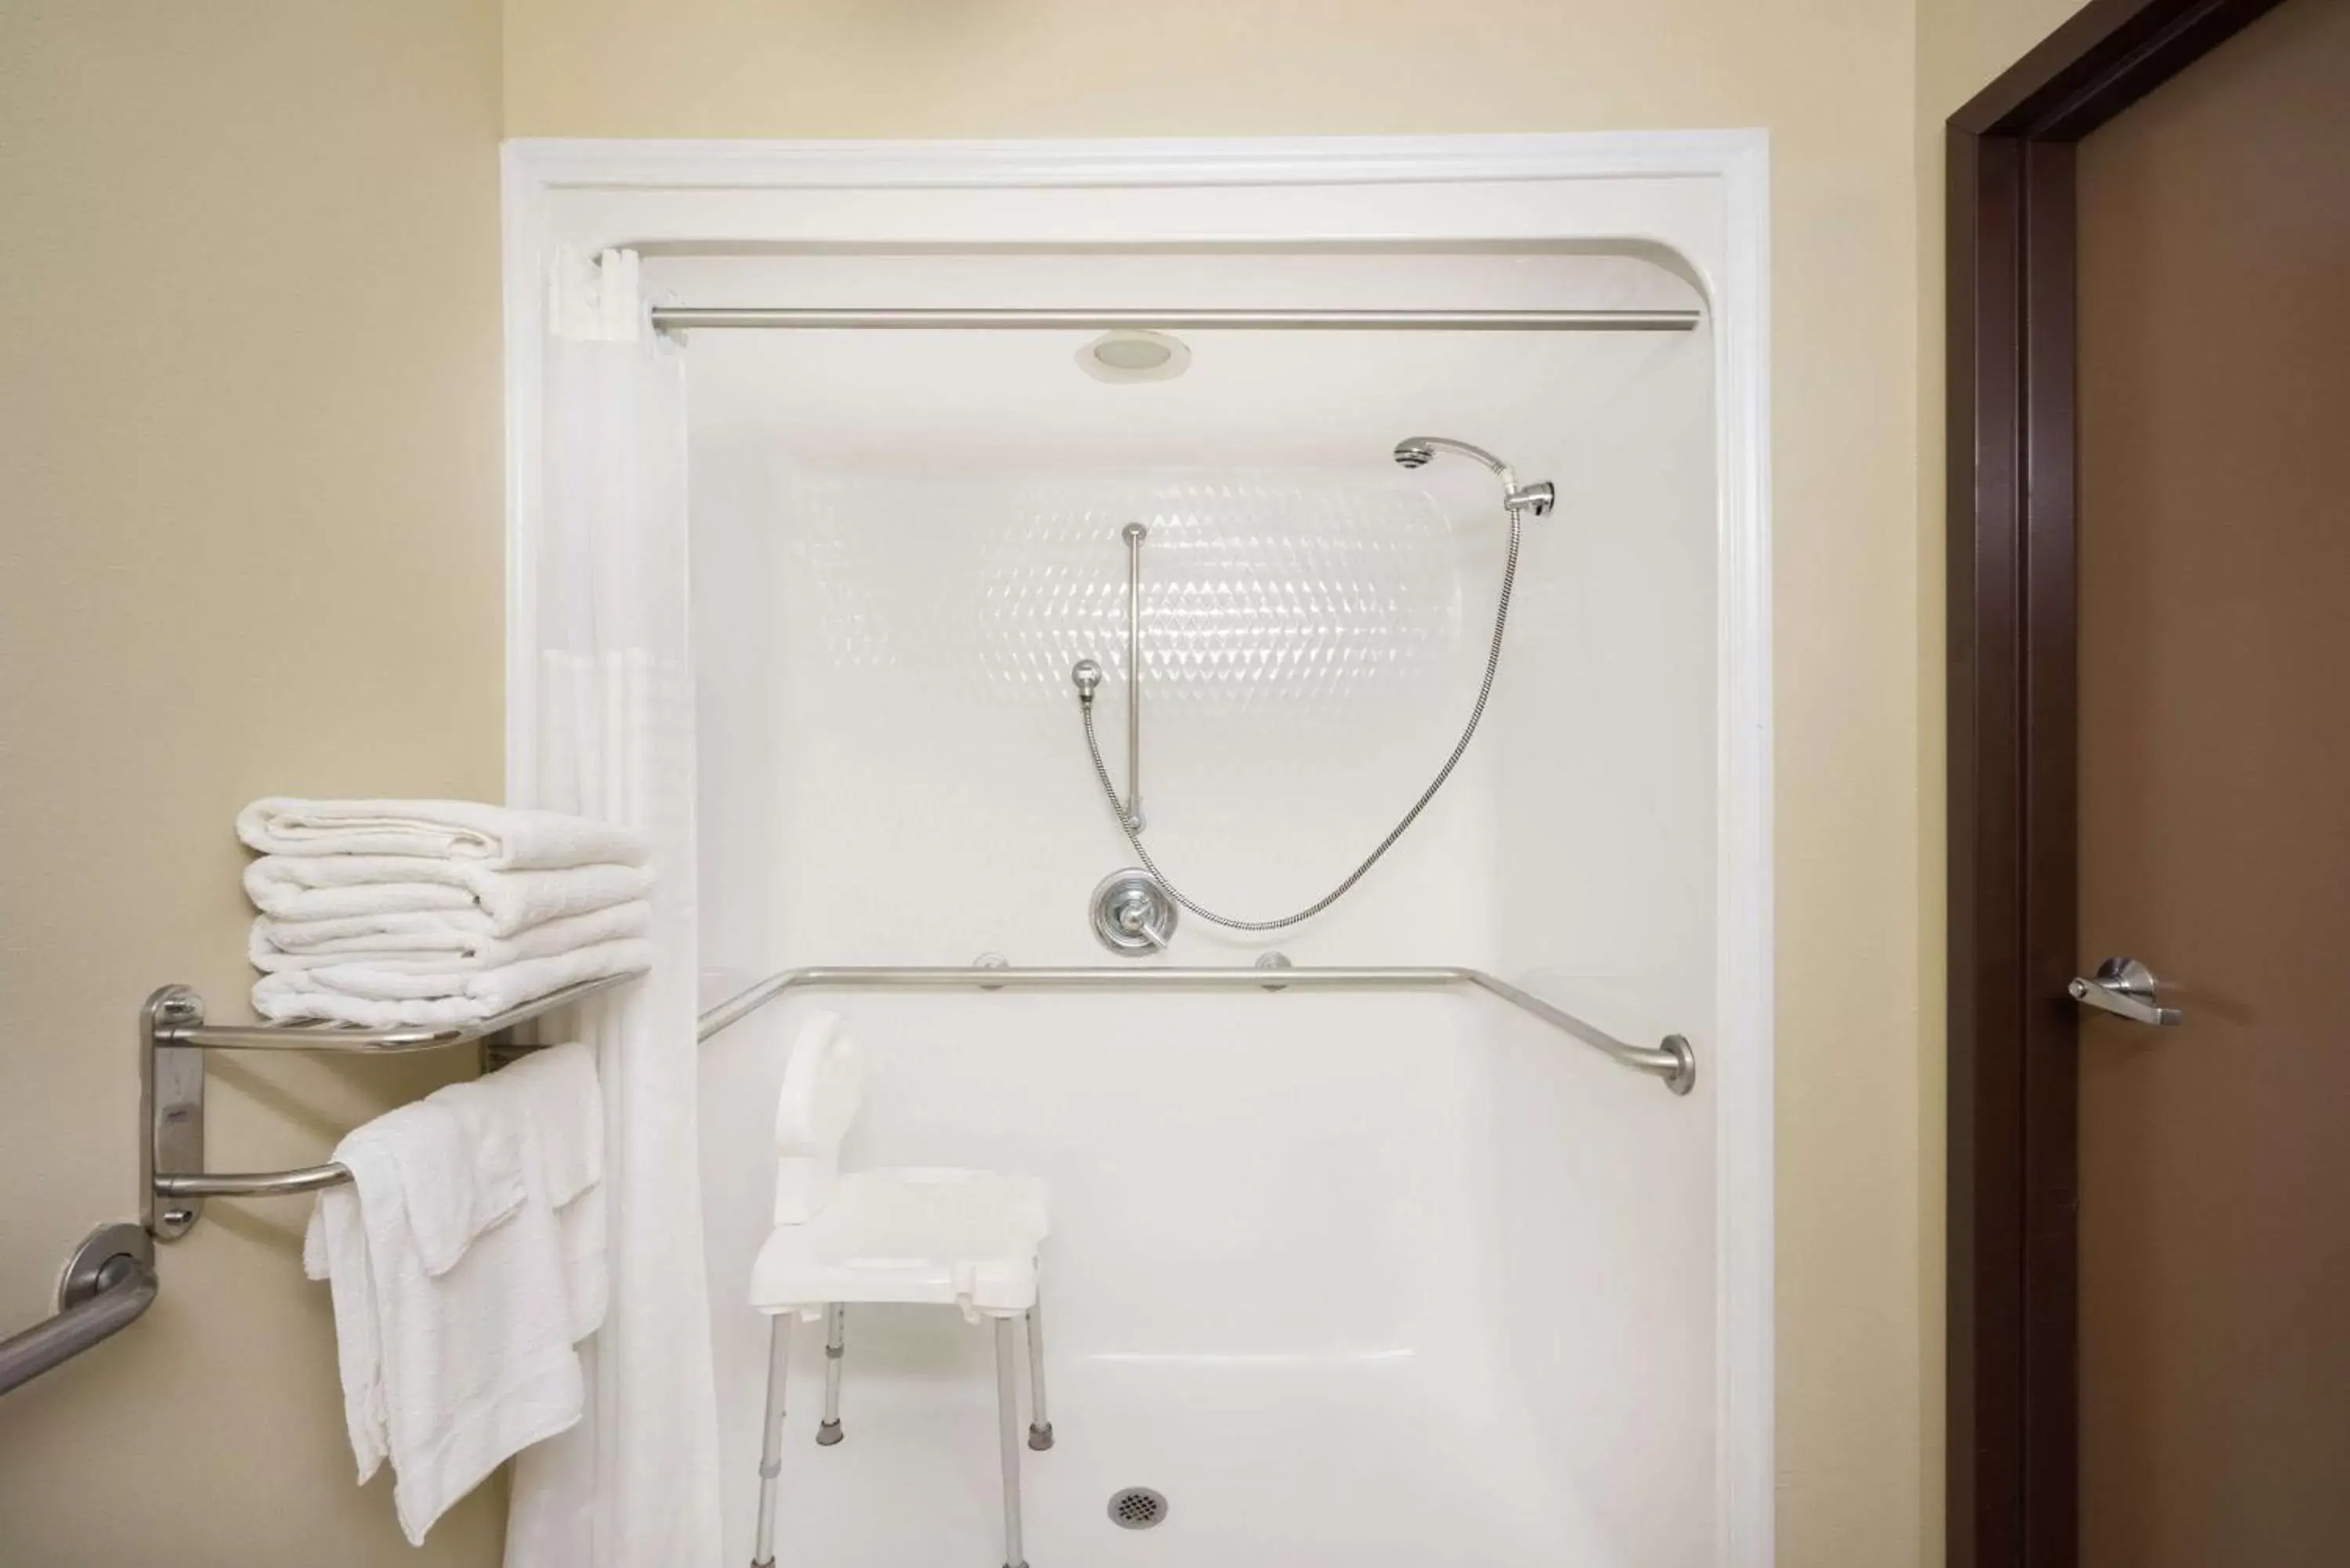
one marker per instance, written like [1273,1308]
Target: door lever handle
[2125,987]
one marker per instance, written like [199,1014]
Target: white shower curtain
[634,1485]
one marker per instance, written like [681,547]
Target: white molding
[677,192]
[563,164]
[1745,1053]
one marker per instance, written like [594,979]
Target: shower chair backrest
[824,1084]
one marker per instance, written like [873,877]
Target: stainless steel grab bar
[109,1281]
[1672,1059]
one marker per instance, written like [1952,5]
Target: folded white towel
[502,838]
[424,1159]
[388,994]
[389,927]
[457,1293]
[461,1164]
[443,939]
[346,887]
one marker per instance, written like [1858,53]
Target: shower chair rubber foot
[1040,1438]
[827,1434]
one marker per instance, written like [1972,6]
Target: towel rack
[1672,1059]
[173,1038]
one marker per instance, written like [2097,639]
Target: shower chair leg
[828,1432]
[1040,1423]
[1007,1411]
[771,1437]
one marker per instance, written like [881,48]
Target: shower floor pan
[1270,1463]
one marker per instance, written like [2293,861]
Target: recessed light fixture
[1129,354]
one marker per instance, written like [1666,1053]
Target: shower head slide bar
[173,1038]
[1672,1059]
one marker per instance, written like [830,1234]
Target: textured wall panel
[1301,592]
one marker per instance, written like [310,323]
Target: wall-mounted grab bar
[173,1039]
[108,1281]
[1672,1059]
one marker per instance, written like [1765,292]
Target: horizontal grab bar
[109,1282]
[177,1023]
[1672,1059]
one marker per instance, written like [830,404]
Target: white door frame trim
[1519,188]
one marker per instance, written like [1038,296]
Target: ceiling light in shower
[1129,354]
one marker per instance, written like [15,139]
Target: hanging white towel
[453,940]
[343,887]
[498,837]
[391,995]
[561,1103]
[458,1294]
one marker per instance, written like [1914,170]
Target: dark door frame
[2012,1427]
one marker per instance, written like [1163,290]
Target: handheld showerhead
[1416,452]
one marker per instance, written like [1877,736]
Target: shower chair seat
[948,1238]
[965,1238]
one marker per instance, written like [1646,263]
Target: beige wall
[1833,82]
[249,463]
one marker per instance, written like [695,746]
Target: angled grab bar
[107,1284]
[1672,1059]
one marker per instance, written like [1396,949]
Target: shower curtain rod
[1672,1059]
[677,318]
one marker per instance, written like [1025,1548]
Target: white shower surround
[1698,197]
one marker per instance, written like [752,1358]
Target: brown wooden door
[2213,289]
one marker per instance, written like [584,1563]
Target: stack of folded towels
[435,913]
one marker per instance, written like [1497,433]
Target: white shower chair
[963,1238]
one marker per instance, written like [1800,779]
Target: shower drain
[1137,1507]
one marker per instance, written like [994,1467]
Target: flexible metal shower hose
[1484,690]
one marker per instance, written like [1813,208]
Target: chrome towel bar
[189,1029]
[1672,1059]
[173,1039]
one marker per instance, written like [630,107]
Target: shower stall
[1073,591]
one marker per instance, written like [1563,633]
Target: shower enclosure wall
[1373,1279]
